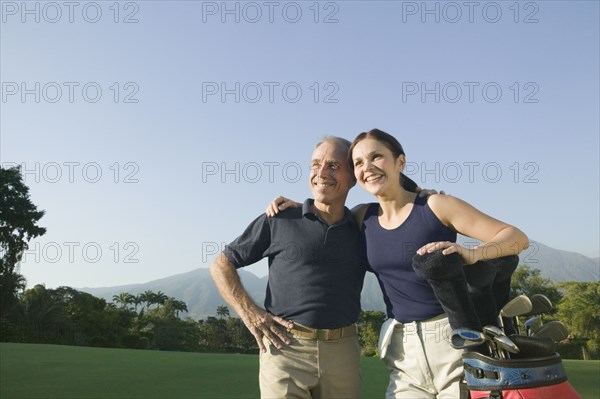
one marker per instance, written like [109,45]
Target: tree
[213,334]
[528,281]
[136,301]
[369,324]
[179,306]
[222,311]
[170,309]
[89,319]
[174,334]
[42,316]
[160,298]
[68,316]
[18,225]
[10,285]
[239,338]
[123,299]
[580,311]
[147,297]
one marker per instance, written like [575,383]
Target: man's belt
[300,331]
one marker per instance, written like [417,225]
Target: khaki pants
[422,363]
[311,369]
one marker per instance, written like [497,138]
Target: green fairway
[584,376]
[50,371]
[47,371]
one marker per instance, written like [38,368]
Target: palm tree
[222,311]
[160,298]
[136,301]
[179,306]
[147,297]
[123,299]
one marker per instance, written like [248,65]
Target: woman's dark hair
[385,138]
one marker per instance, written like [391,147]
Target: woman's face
[375,167]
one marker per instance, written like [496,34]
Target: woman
[422,362]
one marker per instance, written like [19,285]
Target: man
[306,333]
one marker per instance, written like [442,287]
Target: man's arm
[257,320]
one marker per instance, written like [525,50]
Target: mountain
[555,264]
[198,291]
[195,288]
[558,265]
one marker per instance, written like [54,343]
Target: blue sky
[153,132]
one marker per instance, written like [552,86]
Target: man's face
[330,175]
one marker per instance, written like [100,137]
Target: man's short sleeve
[252,245]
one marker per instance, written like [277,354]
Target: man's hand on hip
[263,324]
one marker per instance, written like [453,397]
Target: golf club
[489,339]
[506,344]
[540,304]
[532,325]
[466,338]
[554,330]
[515,307]
[503,343]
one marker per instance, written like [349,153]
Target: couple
[318,255]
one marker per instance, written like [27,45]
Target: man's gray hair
[344,145]
[339,142]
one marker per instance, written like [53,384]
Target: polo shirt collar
[307,211]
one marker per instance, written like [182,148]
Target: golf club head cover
[480,278]
[505,267]
[445,275]
[489,281]
[532,347]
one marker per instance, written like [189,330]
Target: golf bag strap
[464,390]
[481,373]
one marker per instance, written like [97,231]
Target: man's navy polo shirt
[316,270]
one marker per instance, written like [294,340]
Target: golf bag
[521,378]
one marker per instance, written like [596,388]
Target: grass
[50,371]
